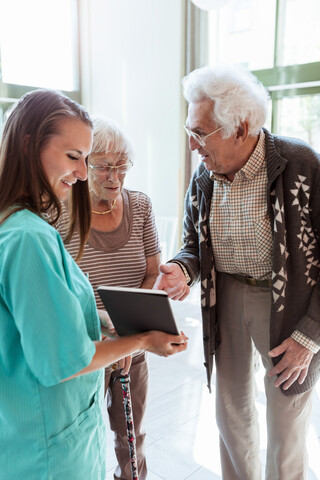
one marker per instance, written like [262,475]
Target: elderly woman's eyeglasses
[198,138]
[104,169]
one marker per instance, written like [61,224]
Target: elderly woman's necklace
[106,211]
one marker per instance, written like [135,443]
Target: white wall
[134,55]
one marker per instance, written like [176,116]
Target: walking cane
[126,397]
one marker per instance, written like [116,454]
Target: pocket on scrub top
[75,451]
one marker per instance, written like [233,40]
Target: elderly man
[251,236]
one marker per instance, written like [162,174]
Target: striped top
[118,258]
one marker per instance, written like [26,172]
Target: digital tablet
[137,310]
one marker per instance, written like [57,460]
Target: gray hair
[237,95]
[107,137]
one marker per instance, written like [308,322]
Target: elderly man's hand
[294,364]
[172,280]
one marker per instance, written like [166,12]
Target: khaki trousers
[244,317]
[138,388]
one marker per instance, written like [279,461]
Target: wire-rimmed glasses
[104,169]
[198,138]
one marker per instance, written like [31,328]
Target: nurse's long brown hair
[23,184]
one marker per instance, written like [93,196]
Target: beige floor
[182,439]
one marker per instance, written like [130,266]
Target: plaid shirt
[239,223]
[240,226]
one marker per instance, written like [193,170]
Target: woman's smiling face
[64,156]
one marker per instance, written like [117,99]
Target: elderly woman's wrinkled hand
[123,364]
[107,327]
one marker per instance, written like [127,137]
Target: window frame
[10,93]
[284,81]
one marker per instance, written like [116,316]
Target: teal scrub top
[49,429]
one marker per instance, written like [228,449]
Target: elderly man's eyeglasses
[198,138]
[104,169]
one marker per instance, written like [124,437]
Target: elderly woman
[122,250]
[51,353]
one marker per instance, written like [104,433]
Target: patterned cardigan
[293,201]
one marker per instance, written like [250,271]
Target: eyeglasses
[104,169]
[198,138]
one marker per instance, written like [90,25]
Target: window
[240,33]
[38,48]
[279,42]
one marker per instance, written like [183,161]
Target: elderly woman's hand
[123,364]
[109,332]
[107,327]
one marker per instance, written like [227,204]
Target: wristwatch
[185,271]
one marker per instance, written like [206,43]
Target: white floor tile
[171,457]
[203,474]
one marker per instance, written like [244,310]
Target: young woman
[51,353]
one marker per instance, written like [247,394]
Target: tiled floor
[182,438]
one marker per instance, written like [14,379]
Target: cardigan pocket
[263,237]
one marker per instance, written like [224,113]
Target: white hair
[107,137]
[237,95]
